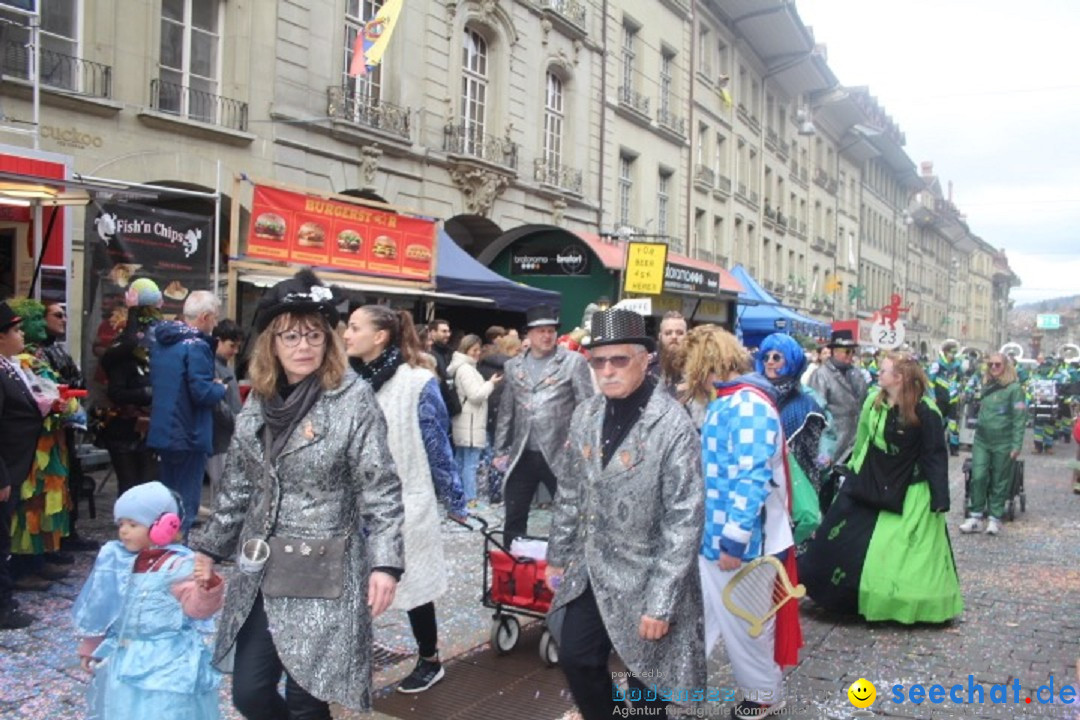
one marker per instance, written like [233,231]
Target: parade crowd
[692,482]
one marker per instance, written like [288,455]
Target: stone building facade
[716,126]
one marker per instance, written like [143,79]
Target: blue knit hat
[145,503]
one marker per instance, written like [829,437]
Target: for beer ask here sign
[312,230]
[644,272]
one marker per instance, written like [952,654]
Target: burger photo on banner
[312,230]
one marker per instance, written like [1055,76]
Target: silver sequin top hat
[618,326]
[540,316]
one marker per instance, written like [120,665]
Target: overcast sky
[990,92]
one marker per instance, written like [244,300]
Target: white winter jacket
[470,425]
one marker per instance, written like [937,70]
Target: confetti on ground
[1022,620]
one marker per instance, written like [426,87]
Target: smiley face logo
[862,693]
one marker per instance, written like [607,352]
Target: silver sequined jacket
[843,393]
[336,477]
[542,408]
[632,531]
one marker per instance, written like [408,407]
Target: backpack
[450,397]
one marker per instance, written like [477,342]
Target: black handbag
[305,567]
[875,491]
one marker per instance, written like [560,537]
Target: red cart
[513,586]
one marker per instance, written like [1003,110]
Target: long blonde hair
[1008,375]
[913,386]
[265,369]
[710,350]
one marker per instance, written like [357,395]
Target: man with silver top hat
[625,533]
[843,388]
[542,388]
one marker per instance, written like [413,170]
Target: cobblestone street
[1022,621]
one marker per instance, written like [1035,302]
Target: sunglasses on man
[618,362]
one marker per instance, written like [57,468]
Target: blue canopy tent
[760,315]
[457,272]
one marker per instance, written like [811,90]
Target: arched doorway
[472,233]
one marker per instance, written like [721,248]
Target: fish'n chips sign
[312,230]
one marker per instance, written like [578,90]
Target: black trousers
[256,672]
[132,468]
[528,473]
[7,584]
[583,656]
[425,629]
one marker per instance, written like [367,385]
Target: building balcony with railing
[558,175]
[367,111]
[818,243]
[570,11]
[830,249]
[198,105]
[633,100]
[470,140]
[671,122]
[771,138]
[57,71]
[704,177]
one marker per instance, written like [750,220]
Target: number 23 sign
[887,336]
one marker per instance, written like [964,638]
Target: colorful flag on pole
[372,40]
[832,284]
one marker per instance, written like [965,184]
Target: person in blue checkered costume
[746,506]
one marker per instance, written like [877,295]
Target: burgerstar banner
[311,230]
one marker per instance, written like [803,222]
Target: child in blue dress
[138,617]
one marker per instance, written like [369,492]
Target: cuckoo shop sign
[687,279]
[312,230]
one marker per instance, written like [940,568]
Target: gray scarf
[283,414]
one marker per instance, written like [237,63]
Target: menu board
[311,230]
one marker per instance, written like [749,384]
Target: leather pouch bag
[305,567]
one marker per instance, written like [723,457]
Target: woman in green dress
[880,564]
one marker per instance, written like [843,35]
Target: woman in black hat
[308,466]
[20,424]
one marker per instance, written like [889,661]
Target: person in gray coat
[540,391]
[309,462]
[843,388]
[627,526]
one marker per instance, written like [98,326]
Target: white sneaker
[971,525]
[993,527]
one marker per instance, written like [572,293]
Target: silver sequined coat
[632,531]
[541,408]
[843,393]
[336,477]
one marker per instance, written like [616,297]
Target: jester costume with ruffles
[880,564]
[43,503]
